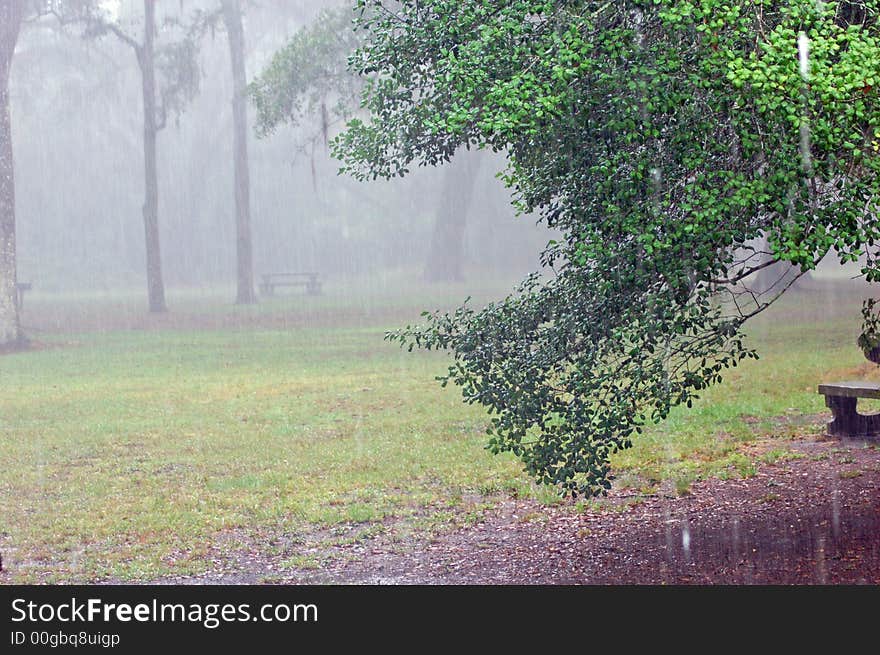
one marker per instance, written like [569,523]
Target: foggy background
[77,138]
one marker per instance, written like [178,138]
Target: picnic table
[310,280]
[842,398]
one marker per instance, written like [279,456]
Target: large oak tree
[666,141]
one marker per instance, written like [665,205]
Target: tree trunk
[446,256]
[244,248]
[146,60]
[11,336]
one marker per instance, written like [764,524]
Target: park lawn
[128,453]
[128,448]
[806,338]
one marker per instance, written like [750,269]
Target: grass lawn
[132,444]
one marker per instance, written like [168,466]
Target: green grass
[128,453]
[126,449]
[807,338]
[129,446]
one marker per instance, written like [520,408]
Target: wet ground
[811,518]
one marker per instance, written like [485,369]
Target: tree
[178,83]
[244,248]
[663,140]
[11,15]
[145,52]
[446,253]
[310,77]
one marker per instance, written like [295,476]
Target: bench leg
[848,422]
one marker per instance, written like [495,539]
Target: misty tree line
[105,197]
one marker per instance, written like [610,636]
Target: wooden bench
[311,282]
[20,288]
[841,398]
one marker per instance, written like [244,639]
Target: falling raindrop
[804,64]
[669,538]
[804,55]
[686,541]
[76,559]
[821,570]
[835,513]
[806,159]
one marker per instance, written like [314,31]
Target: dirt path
[812,519]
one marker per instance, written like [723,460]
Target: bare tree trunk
[11,336]
[244,248]
[446,256]
[146,60]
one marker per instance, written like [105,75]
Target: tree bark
[244,247]
[146,61]
[446,256]
[11,336]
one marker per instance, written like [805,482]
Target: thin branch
[122,36]
[744,273]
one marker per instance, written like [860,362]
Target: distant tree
[310,77]
[445,261]
[244,245]
[663,140]
[177,83]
